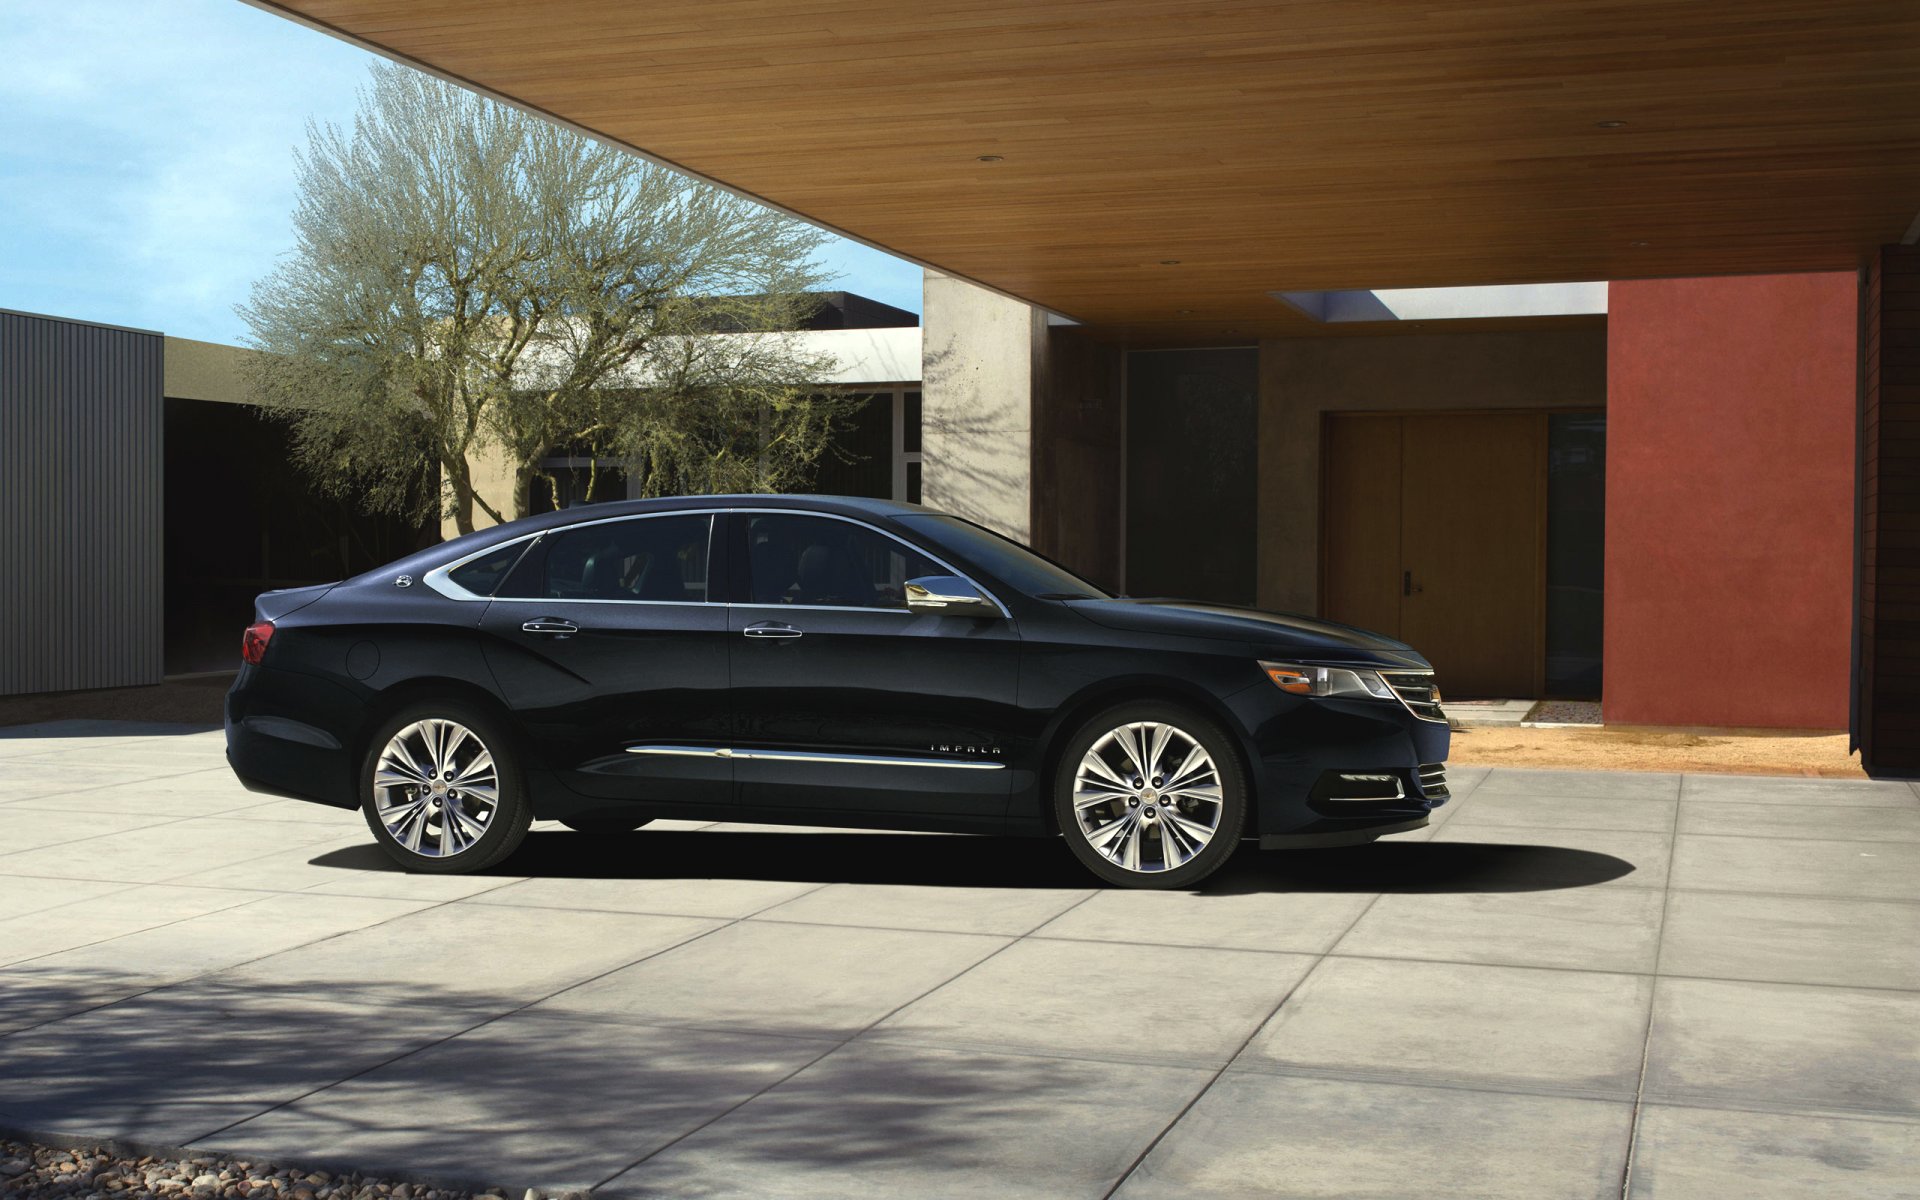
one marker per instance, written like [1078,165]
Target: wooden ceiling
[1166,165]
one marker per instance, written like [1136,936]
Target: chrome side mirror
[949,596]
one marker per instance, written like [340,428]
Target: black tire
[1161,834]
[504,826]
[604,824]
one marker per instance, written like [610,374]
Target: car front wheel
[1151,795]
[441,790]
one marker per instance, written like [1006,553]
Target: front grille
[1418,692]
[1433,781]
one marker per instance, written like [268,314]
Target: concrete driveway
[1699,986]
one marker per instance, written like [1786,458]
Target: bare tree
[468,279]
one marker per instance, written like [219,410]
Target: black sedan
[820,661]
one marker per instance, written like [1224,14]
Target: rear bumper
[286,736]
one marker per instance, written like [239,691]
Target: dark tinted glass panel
[816,560]
[483,574]
[648,558]
[1191,445]
[1576,538]
[860,461]
[1001,557]
[910,431]
[913,483]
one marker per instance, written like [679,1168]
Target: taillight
[253,643]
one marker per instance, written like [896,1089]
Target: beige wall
[205,371]
[982,356]
[1303,379]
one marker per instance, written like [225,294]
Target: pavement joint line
[1655,974]
[101,787]
[92,837]
[1154,1142]
[1750,837]
[1653,1001]
[1622,1096]
[443,1040]
[841,1044]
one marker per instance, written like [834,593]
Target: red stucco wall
[1729,537]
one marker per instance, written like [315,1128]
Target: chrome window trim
[1005,612]
[860,760]
[438,581]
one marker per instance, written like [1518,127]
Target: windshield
[1003,558]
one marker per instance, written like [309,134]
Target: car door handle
[552,625]
[770,629]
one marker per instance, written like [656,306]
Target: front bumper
[1302,748]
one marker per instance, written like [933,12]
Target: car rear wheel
[602,824]
[441,790]
[1150,795]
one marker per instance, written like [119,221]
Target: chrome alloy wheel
[1147,796]
[435,788]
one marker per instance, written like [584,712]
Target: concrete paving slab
[475,954]
[1176,1005]
[172,1068]
[269,924]
[1255,1135]
[802,980]
[1709,1154]
[1785,1046]
[1814,820]
[885,1121]
[30,998]
[1644,857]
[347,854]
[1571,812]
[388,881]
[28,828]
[1597,929]
[1777,789]
[1795,866]
[1302,922]
[159,853]
[528,1101]
[28,778]
[1793,939]
[1639,785]
[725,898]
[174,798]
[20,896]
[1007,911]
[123,910]
[1546,1031]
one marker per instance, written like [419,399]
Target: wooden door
[1442,545]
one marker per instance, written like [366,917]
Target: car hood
[1267,632]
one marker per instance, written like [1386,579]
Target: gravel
[94,1173]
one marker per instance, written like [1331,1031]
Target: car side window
[793,559]
[645,558]
[483,574]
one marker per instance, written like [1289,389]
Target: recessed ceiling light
[1610,124]
[1185,312]
[1169,262]
[1639,245]
[991,158]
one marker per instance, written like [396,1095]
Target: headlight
[1305,680]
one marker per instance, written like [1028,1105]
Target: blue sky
[146,159]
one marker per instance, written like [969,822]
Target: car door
[845,700]
[611,649]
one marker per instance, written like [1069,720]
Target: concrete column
[983,354]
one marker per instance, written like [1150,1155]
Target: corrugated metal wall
[80,489]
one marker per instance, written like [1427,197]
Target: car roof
[467,543]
